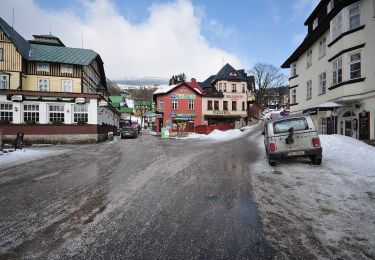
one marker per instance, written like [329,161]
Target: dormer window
[42,67]
[315,24]
[233,74]
[330,6]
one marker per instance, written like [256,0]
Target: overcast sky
[137,38]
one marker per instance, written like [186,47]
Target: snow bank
[216,135]
[345,151]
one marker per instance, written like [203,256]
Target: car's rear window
[285,125]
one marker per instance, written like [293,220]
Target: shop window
[6,113]
[31,113]
[56,113]
[80,114]
[209,104]
[225,105]
[4,81]
[216,105]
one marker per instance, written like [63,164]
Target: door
[348,128]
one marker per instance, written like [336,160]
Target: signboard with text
[182,96]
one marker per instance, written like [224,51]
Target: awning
[328,106]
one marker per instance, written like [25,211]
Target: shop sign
[103,103]
[224,112]
[18,98]
[182,96]
[32,98]
[66,99]
[49,99]
[234,96]
[176,116]
[80,100]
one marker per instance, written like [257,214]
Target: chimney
[193,80]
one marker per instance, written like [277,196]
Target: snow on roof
[130,103]
[164,89]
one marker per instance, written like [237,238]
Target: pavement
[144,198]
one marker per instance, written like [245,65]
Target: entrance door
[348,128]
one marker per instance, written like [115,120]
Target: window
[220,85]
[31,113]
[294,96]
[322,47]
[80,114]
[4,81]
[161,104]
[216,105]
[56,113]
[330,6]
[243,88]
[174,104]
[225,87]
[315,24]
[67,85]
[1,54]
[337,71]
[336,27]
[355,65]
[234,105]
[354,17]
[42,67]
[43,84]
[209,105]
[191,104]
[243,106]
[309,58]
[322,126]
[225,105]
[66,69]
[6,113]
[234,88]
[284,125]
[308,89]
[293,69]
[322,83]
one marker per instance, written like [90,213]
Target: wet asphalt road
[142,198]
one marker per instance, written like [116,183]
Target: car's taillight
[316,141]
[272,147]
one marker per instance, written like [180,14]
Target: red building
[179,106]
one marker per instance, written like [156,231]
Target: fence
[206,129]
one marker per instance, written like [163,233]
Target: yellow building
[52,92]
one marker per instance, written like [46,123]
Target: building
[179,107]
[226,99]
[50,92]
[332,70]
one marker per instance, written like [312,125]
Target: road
[143,198]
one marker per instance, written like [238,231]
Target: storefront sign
[176,116]
[103,103]
[182,96]
[224,112]
[17,98]
[49,99]
[234,96]
[80,100]
[364,125]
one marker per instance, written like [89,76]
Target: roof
[22,45]
[59,54]
[324,106]
[47,40]
[207,82]
[116,101]
[229,73]
[125,110]
[164,89]
[48,53]
[316,10]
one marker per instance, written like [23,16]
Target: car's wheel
[316,159]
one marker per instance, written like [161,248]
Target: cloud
[169,41]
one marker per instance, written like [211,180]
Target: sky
[160,38]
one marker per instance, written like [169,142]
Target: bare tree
[113,88]
[266,76]
[142,93]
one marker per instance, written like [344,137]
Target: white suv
[292,136]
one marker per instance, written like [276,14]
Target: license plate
[296,153]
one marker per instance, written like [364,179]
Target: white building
[336,63]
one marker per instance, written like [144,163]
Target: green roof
[125,110]
[59,54]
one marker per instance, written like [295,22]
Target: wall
[30,82]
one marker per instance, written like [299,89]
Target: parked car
[129,131]
[292,136]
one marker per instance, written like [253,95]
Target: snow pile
[345,151]
[217,135]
